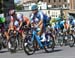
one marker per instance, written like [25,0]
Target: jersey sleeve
[31,18]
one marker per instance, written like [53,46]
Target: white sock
[43,36]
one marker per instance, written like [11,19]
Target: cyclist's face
[11,12]
[34,11]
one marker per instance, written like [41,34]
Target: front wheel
[28,47]
[29,50]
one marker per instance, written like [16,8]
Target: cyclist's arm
[27,21]
[20,24]
[20,21]
[41,22]
[11,26]
[41,19]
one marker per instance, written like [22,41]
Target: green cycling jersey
[2,20]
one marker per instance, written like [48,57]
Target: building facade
[72,4]
[68,5]
[26,1]
[57,3]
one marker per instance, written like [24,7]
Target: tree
[18,7]
[1,7]
[8,4]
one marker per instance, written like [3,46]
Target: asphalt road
[60,52]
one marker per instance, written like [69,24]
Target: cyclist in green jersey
[2,22]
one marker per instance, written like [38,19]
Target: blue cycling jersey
[57,26]
[73,22]
[62,24]
[35,18]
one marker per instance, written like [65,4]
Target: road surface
[60,52]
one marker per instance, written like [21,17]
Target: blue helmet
[34,7]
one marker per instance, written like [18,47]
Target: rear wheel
[0,46]
[12,45]
[50,48]
[4,43]
[50,44]
[65,40]
[71,41]
[60,40]
[0,43]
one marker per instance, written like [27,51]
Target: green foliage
[1,8]
[18,7]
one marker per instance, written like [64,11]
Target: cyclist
[66,26]
[73,23]
[2,23]
[25,22]
[17,21]
[38,19]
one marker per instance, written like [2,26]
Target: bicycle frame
[36,37]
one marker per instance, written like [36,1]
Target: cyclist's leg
[41,28]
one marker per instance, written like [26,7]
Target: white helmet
[19,16]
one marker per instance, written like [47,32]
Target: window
[65,5]
[40,0]
[74,6]
[49,1]
[54,0]
[59,0]
[54,6]
[60,6]
[65,0]
[48,12]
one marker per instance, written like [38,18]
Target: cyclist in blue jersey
[38,20]
[57,27]
[73,23]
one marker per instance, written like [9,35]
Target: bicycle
[29,42]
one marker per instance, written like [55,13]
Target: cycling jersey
[61,24]
[35,18]
[52,21]
[2,19]
[16,21]
[57,26]
[2,22]
[73,23]
[26,20]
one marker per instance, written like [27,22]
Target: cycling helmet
[19,16]
[34,7]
